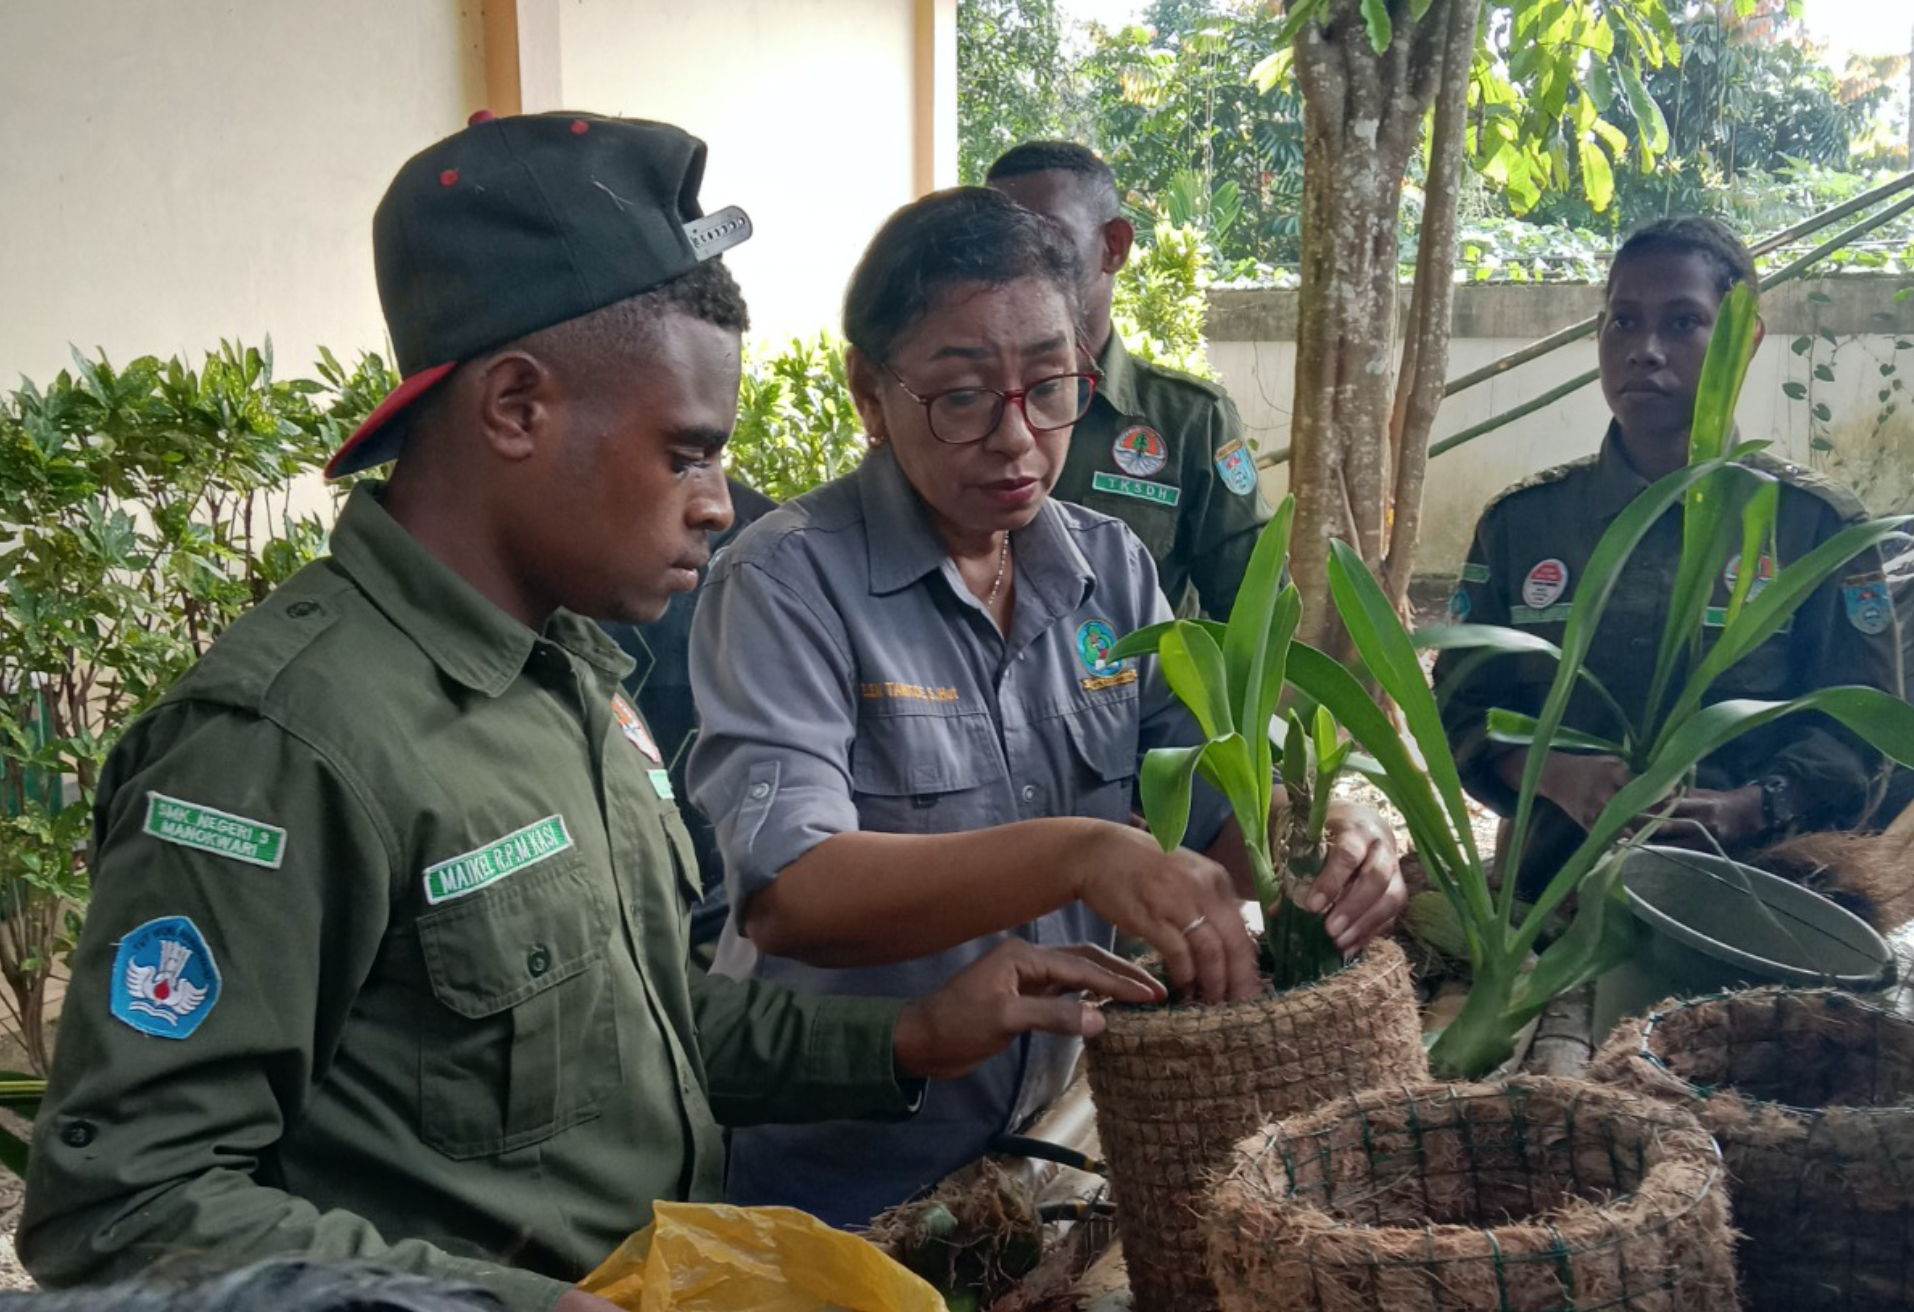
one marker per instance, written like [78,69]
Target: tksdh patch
[165,982]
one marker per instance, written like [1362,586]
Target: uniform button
[78,1135]
[1638,643]
[538,960]
[1029,792]
[760,791]
[300,609]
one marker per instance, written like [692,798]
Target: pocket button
[538,960]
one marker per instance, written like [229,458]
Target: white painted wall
[1876,460]
[175,171]
[181,171]
[807,108]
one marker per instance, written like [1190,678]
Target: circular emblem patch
[1139,451]
[1545,584]
[1764,573]
[1094,641]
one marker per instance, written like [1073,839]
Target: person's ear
[519,398]
[1119,235]
[862,377]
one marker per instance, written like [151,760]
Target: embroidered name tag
[516,851]
[1142,489]
[219,833]
[911,692]
[661,784]
[1104,682]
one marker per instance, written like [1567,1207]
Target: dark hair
[282,1284]
[1093,176]
[1709,238]
[948,239]
[584,346]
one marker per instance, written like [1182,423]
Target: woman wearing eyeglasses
[914,742]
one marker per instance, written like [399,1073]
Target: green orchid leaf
[1602,936]
[1391,659]
[1163,783]
[1143,641]
[1248,637]
[1764,616]
[1193,666]
[1514,727]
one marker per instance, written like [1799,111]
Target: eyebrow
[1043,347]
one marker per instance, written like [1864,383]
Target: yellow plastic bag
[706,1257]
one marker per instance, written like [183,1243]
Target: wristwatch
[1777,803]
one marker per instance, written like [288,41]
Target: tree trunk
[1363,116]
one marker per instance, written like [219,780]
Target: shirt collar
[466,635]
[903,547]
[1117,386]
[1616,481]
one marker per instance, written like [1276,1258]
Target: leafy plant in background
[797,425]
[1230,676]
[141,510]
[1159,303]
[1821,350]
[1725,505]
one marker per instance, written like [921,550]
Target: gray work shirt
[848,680]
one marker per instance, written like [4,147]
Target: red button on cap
[480,116]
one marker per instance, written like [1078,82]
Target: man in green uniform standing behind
[1160,450]
[386,957]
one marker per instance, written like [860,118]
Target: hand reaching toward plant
[1183,904]
[1360,888]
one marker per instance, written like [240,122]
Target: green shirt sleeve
[152,1144]
[773,1055]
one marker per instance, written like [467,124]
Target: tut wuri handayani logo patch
[165,982]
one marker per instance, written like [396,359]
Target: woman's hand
[1360,886]
[1181,903]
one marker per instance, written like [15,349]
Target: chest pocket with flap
[522,1043]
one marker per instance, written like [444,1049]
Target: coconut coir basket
[1811,1095]
[1176,1087]
[1542,1195]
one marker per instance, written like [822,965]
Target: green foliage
[1725,506]
[1179,115]
[1159,305]
[1012,80]
[797,425]
[1230,676]
[141,510]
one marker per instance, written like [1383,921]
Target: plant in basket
[1176,1087]
[1725,505]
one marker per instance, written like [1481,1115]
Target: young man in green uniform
[1665,289]
[1160,450]
[386,957]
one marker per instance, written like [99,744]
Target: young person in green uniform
[386,957]
[1160,450]
[1665,289]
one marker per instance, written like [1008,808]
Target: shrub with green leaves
[142,509]
[797,425]
[1160,304]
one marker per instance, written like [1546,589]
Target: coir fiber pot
[1810,1094]
[1541,1195]
[1710,924]
[1176,1087]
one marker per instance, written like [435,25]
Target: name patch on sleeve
[519,850]
[218,833]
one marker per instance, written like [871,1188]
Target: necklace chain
[996,584]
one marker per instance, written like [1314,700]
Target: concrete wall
[176,171]
[1252,344]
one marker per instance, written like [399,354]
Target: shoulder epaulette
[1838,496]
[1162,373]
[1544,478]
